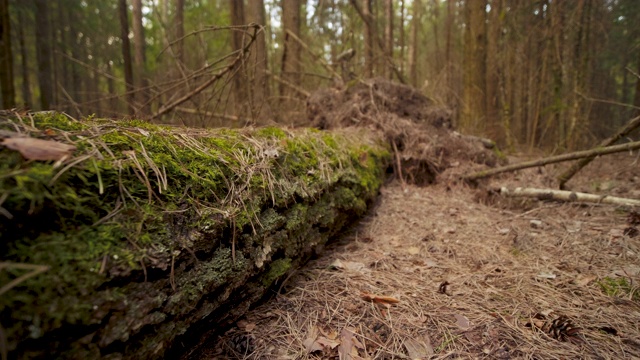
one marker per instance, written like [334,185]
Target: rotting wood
[554,159]
[628,128]
[563,195]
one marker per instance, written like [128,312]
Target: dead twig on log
[554,159]
[629,127]
[563,195]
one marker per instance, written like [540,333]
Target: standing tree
[6,61]
[237,42]
[260,93]
[126,54]
[291,56]
[43,54]
[139,57]
[388,38]
[24,64]
[474,108]
[179,23]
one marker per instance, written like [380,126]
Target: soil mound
[420,131]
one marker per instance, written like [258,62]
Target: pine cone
[561,328]
[242,343]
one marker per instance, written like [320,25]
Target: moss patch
[147,229]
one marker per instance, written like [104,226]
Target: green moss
[619,287]
[276,269]
[150,197]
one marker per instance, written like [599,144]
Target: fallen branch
[554,159]
[298,89]
[563,195]
[165,109]
[567,175]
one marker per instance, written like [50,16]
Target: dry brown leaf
[348,265]
[418,349]
[584,280]
[413,250]
[462,321]
[346,344]
[325,342]
[38,149]
[311,345]
[378,299]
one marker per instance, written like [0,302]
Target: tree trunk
[413,47]
[139,58]
[179,23]
[494,129]
[636,101]
[237,42]
[435,22]
[6,58]
[260,92]
[292,51]
[126,54]
[369,36]
[24,64]
[43,53]
[401,40]
[388,38]
[474,110]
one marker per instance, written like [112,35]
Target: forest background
[530,74]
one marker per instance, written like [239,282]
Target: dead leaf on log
[38,149]
[378,299]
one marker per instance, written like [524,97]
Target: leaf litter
[512,291]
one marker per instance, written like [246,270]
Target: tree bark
[6,58]
[43,54]
[292,50]
[369,35]
[388,38]
[126,54]
[179,24]
[474,109]
[24,64]
[413,48]
[237,39]
[139,58]
[260,92]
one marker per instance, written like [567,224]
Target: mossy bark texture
[151,234]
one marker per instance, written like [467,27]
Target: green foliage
[619,286]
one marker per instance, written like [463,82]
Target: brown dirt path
[504,261]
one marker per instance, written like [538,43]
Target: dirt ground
[446,271]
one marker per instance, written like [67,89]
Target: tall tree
[388,38]
[413,46]
[24,63]
[43,53]
[474,109]
[126,53]
[6,59]
[139,57]
[179,24]
[259,60]
[237,42]
[291,56]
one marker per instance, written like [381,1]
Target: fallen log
[553,159]
[126,240]
[568,174]
[563,195]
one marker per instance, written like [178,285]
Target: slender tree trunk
[413,47]
[448,61]
[474,111]
[369,39]
[43,53]
[260,92]
[6,58]
[179,23]
[78,81]
[388,38]
[24,64]
[494,129]
[139,58]
[401,40]
[435,22]
[292,51]
[237,39]
[126,54]
[636,100]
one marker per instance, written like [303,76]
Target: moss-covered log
[147,233]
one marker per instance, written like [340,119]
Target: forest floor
[447,271]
